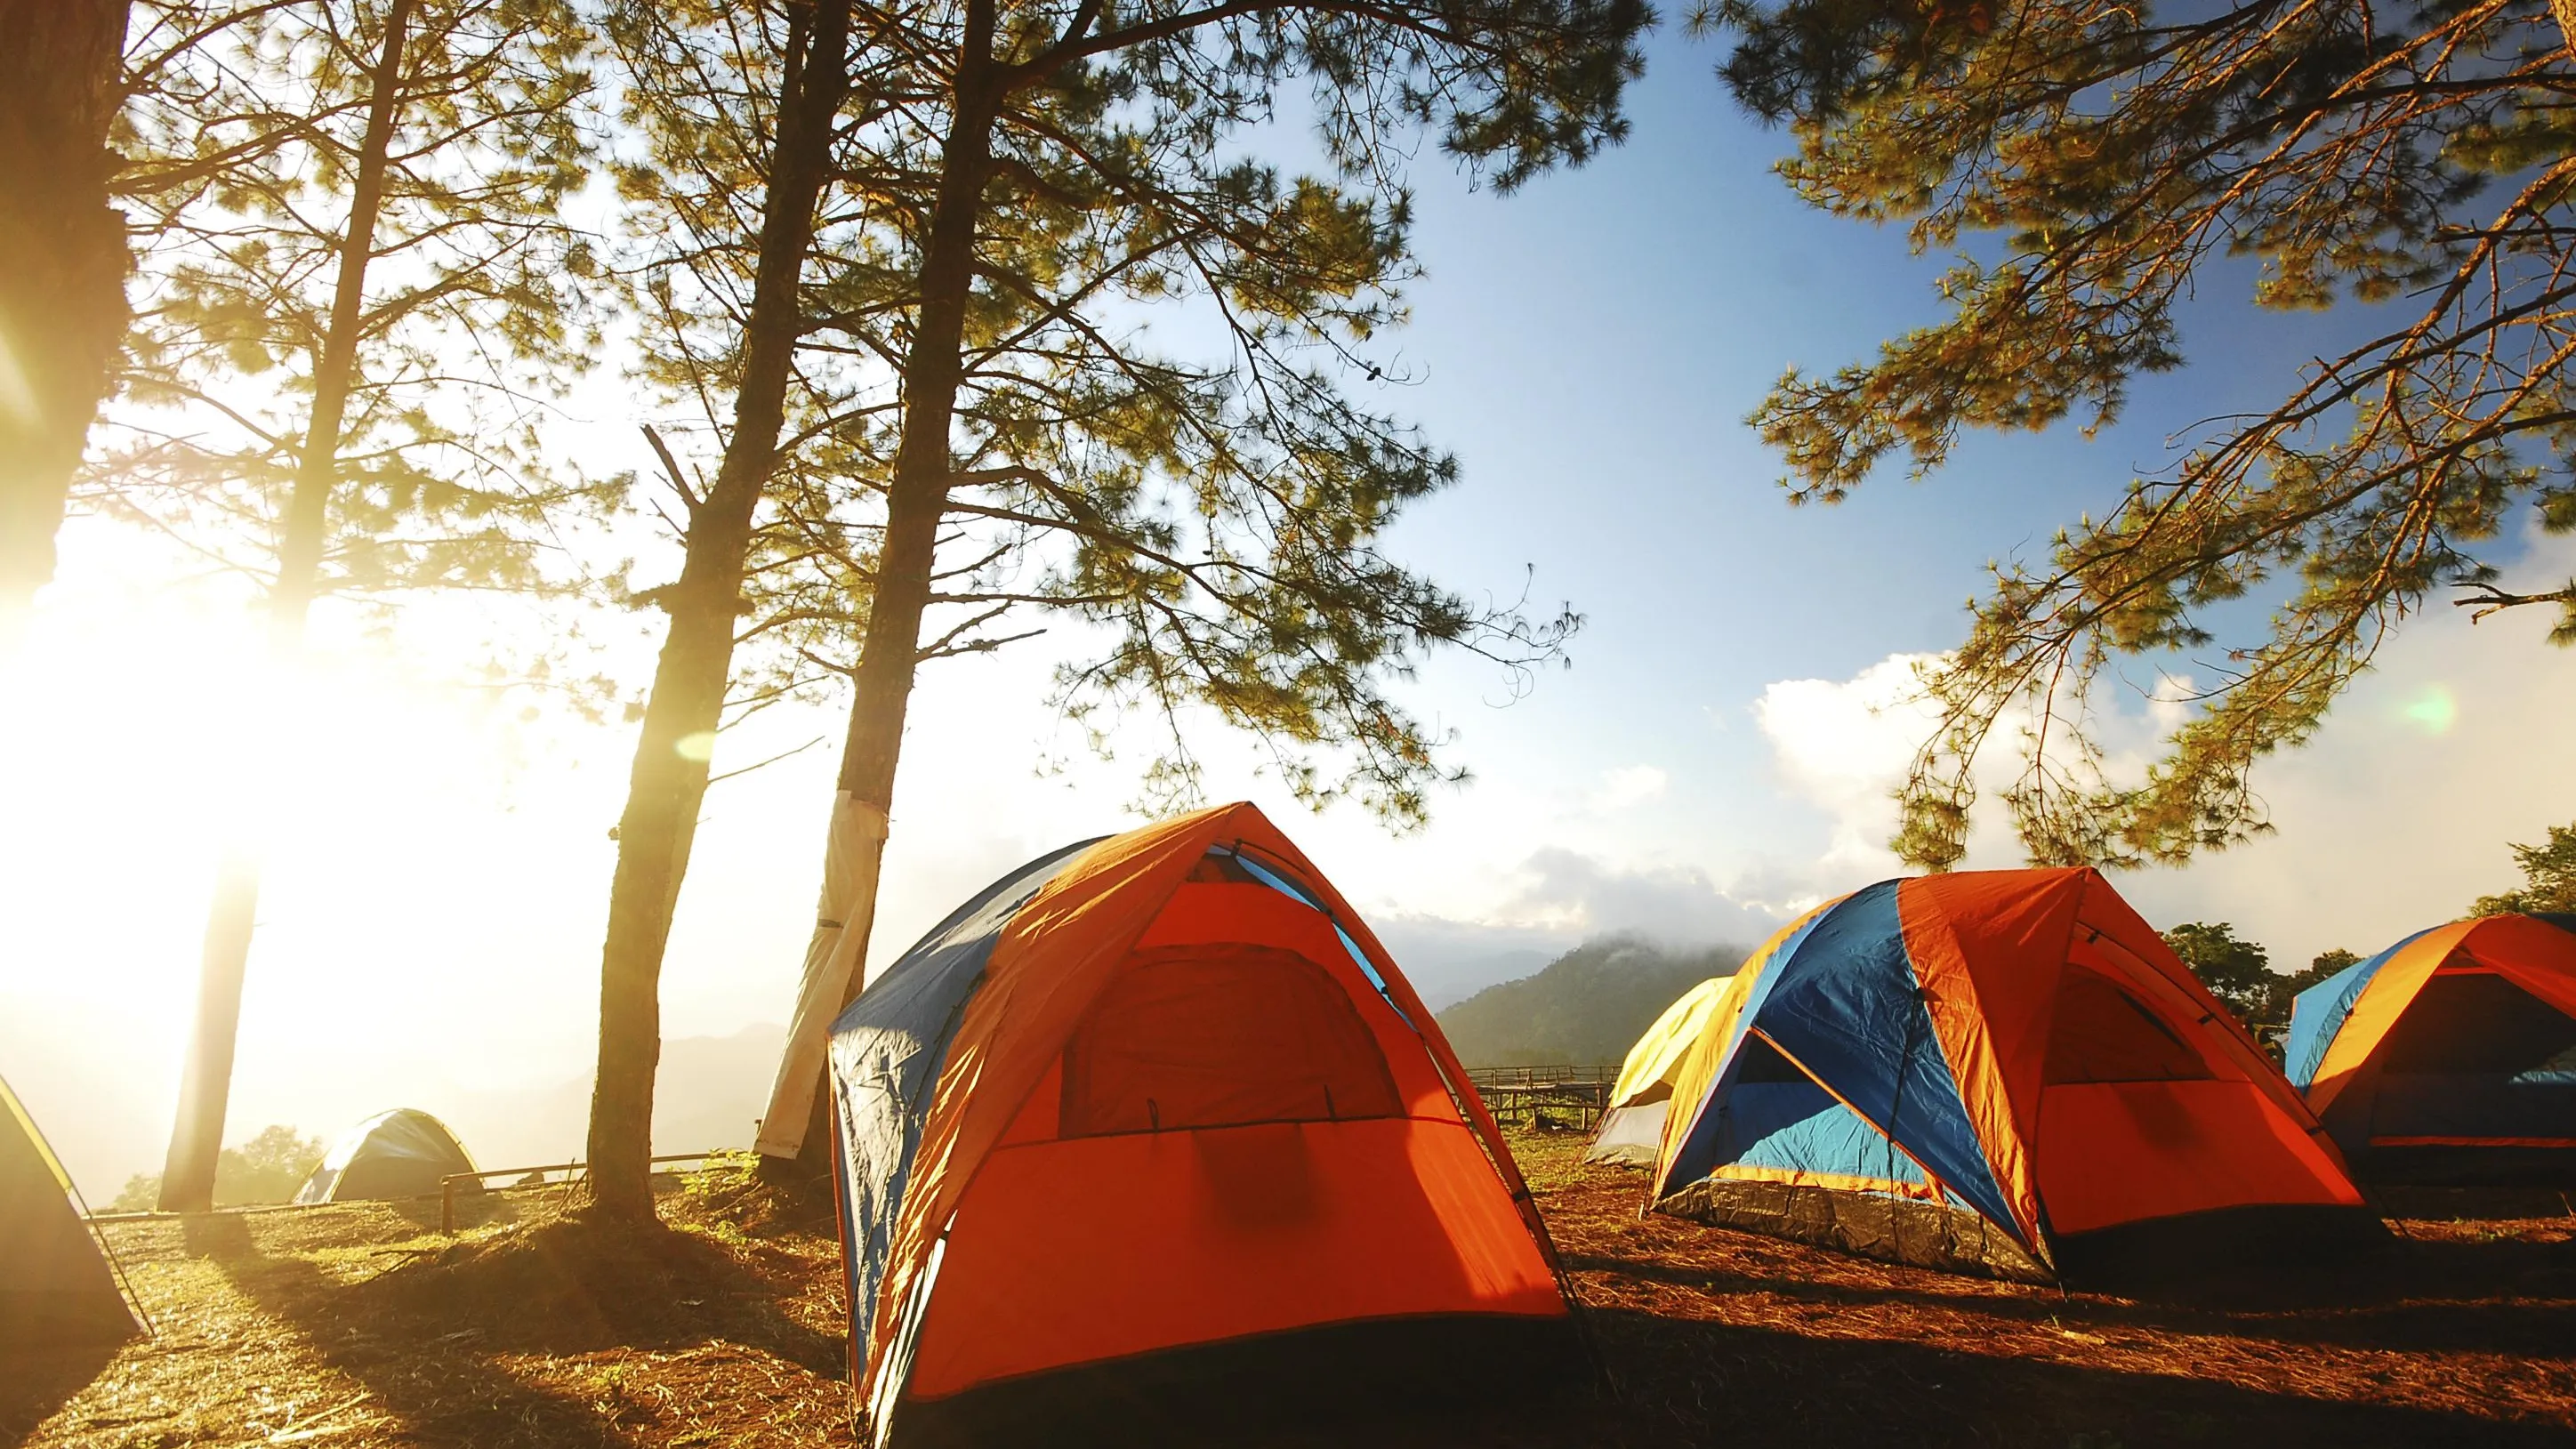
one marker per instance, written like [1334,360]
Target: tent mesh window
[2477,1023]
[2103,1034]
[1197,1037]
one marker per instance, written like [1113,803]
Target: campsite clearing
[358,1325]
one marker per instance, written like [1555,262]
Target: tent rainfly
[1151,1136]
[401,1153]
[2450,1057]
[2003,1071]
[1632,1123]
[54,1284]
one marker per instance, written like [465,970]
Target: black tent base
[1326,1385]
[2197,1251]
[2467,1166]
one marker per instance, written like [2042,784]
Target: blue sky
[1589,347]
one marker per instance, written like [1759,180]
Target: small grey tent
[54,1286]
[401,1153]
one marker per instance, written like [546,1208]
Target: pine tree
[353,271]
[63,262]
[2237,972]
[1216,518]
[2548,879]
[2418,156]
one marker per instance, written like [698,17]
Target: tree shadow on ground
[2503,1296]
[1691,1382]
[578,1285]
[39,1380]
[443,1388]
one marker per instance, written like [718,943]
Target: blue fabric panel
[1848,1009]
[1799,1127]
[1700,1150]
[886,1053]
[2318,1014]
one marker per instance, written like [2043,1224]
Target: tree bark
[891,647]
[63,261]
[205,1086]
[687,699]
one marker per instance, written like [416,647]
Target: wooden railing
[447,1184]
[1545,1096]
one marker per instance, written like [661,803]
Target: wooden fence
[1566,1097]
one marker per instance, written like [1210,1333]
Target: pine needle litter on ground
[361,1325]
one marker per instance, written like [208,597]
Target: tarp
[1632,1123]
[1158,1092]
[2459,1036]
[54,1285]
[396,1154]
[2004,1062]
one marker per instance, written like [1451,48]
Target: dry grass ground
[361,1325]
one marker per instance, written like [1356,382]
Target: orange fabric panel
[1236,912]
[1098,1248]
[2116,940]
[1988,947]
[2391,990]
[1051,963]
[2120,1152]
[1217,1036]
[2103,1034]
[1260,835]
[1037,1119]
[1048,966]
[2534,955]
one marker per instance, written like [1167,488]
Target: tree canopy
[2093,164]
[2548,878]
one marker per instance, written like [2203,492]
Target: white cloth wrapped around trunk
[852,855]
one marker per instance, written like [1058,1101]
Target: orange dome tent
[1999,1070]
[1153,1129]
[2450,1057]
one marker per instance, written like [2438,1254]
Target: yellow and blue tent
[2450,1056]
[1632,1122]
[54,1285]
[2002,1071]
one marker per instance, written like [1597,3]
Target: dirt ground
[362,1325]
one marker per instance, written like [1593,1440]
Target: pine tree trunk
[687,699]
[890,650]
[63,261]
[205,1086]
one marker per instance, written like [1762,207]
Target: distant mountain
[1588,1007]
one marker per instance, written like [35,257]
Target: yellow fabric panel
[27,1124]
[1658,1054]
[2391,990]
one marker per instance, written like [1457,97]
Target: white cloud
[1843,747]
[2394,818]
[1630,785]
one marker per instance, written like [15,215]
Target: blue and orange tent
[2450,1056]
[1153,1129]
[2004,1071]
